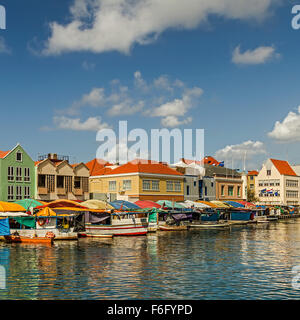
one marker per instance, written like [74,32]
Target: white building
[277,184]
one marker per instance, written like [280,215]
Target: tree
[251,196]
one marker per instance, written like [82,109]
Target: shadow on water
[243,262]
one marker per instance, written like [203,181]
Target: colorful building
[251,180]
[277,184]
[16,175]
[138,180]
[57,179]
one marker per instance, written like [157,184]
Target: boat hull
[20,239]
[117,230]
[172,228]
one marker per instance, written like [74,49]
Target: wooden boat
[88,235]
[270,218]
[119,224]
[33,240]
[172,228]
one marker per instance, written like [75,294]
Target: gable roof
[253,173]
[283,167]
[143,166]
[96,165]
[4,154]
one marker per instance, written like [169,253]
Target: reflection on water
[244,262]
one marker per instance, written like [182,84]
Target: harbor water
[243,262]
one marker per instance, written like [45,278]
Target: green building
[17,175]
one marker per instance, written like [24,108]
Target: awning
[118,204]
[10,207]
[29,203]
[169,204]
[144,204]
[97,204]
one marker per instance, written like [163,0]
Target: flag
[221,164]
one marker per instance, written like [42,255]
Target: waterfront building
[220,183]
[277,183]
[138,180]
[57,179]
[193,173]
[16,175]
[251,179]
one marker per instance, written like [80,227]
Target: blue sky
[233,73]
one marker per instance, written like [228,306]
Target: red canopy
[246,204]
[62,204]
[147,204]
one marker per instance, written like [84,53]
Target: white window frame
[146,182]
[170,183]
[112,183]
[18,192]
[19,174]
[21,153]
[177,186]
[127,184]
[26,192]
[10,192]
[27,174]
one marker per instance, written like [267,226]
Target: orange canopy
[10,207]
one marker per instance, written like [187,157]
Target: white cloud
[106,25]
[259,55]
[173,121]
[88,66]
[3,46]
[238,151]
[91,124]
[125,108]
[289,129]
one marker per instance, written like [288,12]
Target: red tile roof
[4,153]
[253,173]
[96,165]
[283,167]
[144,166]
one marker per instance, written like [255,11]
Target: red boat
[21,239]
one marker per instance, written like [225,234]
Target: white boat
[208,225]
[117,224]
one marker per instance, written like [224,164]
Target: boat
[172,228]
[116,223]
[270,218]
[33,240]
[89,235]
[209,225]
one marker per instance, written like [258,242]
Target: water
[245,262]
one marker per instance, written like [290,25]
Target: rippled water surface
[245,262]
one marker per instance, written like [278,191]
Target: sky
[70,68]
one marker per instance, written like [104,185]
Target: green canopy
[169,204]
[28,203]
[26,221]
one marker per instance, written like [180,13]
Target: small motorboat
[21,239]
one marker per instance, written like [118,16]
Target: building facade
[57,179]
[138,180]
[277,184]
[16,175]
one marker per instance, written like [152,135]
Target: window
[10,193]
[126,184]
[251,177]
[19,156]
[26,192]
[292,183]
[41,181]
[85,184]
[170,186]
[230,190]
[10,174]
[155,185]
[268,172]
[239,191]
[251,186]
[187,190]
[177,186]
[146,185]
[26,174]
[292,194]
[19,174]
[222,190]
[77,183]
[69,183]
[205,191]
[112,185]
[18,193]
[60,182]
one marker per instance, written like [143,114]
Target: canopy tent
[185,205]
[235,204]
[221,204]
[196,204]
[144,204]
[247,204]
[29,203]
[211,205]
[97,204]
[60,212]
[169,204]
[4,227]
[118,204]
[62,204]
[10,207]
[26,221]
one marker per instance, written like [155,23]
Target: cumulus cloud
[173,121]
[91,124]
[289,129]
[237,151]
[3,46]
[259,55]
[106,25]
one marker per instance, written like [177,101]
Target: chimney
[52,156]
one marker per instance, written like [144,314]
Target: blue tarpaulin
[118,204]
[4,227]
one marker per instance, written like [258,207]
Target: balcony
[61,191]
[43,190]
[78,192]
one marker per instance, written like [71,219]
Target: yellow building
[251,177]
[138,180]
